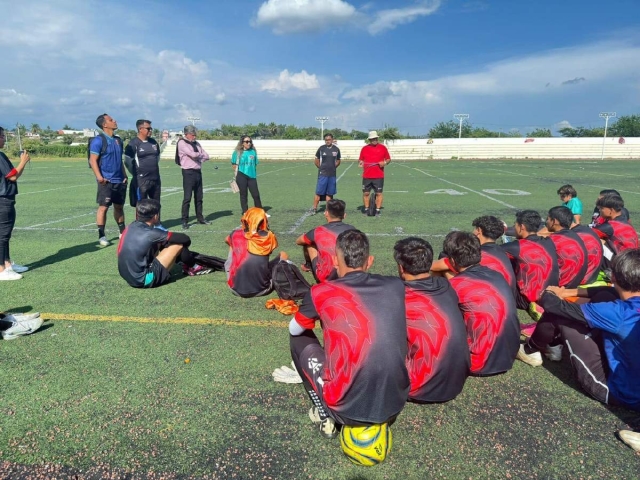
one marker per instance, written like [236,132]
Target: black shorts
[148,188]
[369,184]
[156,275]
[111,193]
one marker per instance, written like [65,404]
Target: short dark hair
[463,248]
[146,209]
[141,122]
[336,208]
[529,219]
[100,120]
[609,190]
[328,135]
[626,270]
[490,226]
[563,215]
[354,246]
[414,255]
[612,201]
[567,190]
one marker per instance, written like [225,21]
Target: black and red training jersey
[248,274]
[438,358]
[496,259]
[619,235]
[324,238]
[594,252]
[365,339]
[137,248]
[572,258]
[491,318]
[535,264]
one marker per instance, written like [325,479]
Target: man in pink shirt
[190,155]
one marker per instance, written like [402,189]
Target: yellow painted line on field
[77,317]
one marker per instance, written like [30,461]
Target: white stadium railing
[440,149]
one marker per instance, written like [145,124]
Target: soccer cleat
[104,242]
[185,226]
[204,222]
[18,268]
[554,353]
[285,374]
[534,359]
[196,270]
[535,311]
[21,328]
[528,329]
[326,426]
[378,212]
[313,211]
[8,274]
[631,438]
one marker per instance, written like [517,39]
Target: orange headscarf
[254,221]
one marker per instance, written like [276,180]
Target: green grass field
[104,387]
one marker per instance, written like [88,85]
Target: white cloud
[12,98]
[562,124]
[220,99]
[287,81]
[86,91]
[391,18]
[298,16]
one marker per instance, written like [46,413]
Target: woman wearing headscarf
[248,267]
[244,161]
[8,191]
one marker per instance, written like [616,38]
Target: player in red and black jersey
[570,249]
[438,354]
[487,305]
[618,234]
[596,219]
[359,377]
[594,252]
[319,244]
[534,259]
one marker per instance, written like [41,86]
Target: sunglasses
[146,128]
[246,141]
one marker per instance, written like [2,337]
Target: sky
[364,64]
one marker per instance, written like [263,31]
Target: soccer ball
[366,446]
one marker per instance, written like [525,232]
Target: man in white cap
[373,158]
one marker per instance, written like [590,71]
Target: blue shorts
[326,186]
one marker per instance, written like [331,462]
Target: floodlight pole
[322,120]
[193,120]
[460,117]
[606,116]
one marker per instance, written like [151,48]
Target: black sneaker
[185,226]
[204,222]
[378,212]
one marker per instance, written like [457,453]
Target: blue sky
[410,63]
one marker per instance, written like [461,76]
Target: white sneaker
[21,328]
[20,317]
[534,359]
[554,353]
[104,242]
[9,274]
[18,268]
[631,438]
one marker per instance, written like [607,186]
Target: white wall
[440,149]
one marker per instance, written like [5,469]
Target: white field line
[573,170]
[32,227]
[462,186]
[59,188]
[575,183]
[307,214]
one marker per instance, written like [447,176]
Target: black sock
[100,231]
[187,257]
[121,226]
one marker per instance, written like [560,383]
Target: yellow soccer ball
[366,446]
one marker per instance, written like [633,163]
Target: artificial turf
[103,388]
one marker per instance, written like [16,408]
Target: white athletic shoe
[534,359]
[21,328]
[104,242]
[18,268]
[20,317]
[9,274]
[554,353]
[631,438]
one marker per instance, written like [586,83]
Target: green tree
[389,134]
[35,128]
[67,139]
[626,126]
[540,133]
[450,129]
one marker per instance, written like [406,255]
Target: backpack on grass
[288,281]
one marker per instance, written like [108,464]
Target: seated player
[570,249]
[596,219]
[438,354]
[248,267]
[534,260]
[595,252]
[602,337]
[616,233]
[487,305]
[359,377]
[146,254]
[319,244]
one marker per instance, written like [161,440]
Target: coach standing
[107,166]
[327,160]
[191,155]
[373,158]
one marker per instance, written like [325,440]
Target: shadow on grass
[65,254]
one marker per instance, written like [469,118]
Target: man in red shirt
[373,158]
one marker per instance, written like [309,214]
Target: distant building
[86,132]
